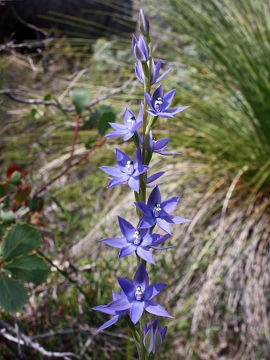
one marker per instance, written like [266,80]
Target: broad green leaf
[21,239]
[100,119]
[12,294]
[103,124]
[80,99]
[29,268]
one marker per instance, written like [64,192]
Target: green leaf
[13,295]
[36,204]
[100,119]
[21,239]
[48,97]
[7,216]
[80,99]
[15,178]
[36,114]
[29,268]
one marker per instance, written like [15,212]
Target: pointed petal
[127,228]
[136,311]
[153,112]
[117,181]
[134,183]
[138,158]
[170,204]
[157,93]
[160,144]
[144,208]
[156,70]
[141,278]
[139,72]
[174,111]
[104,309]
[164,225]
[152,291]
[117,126]
[169,96]
[115,134]
[115,296]
[109,323]
[179,220]
[148,100]
[155,177]
[126,286]
[165,115]
[163,76]
[121,158]
[128,135]
[156,309]
[145,254]
[113,171]
[154,197]
[160,239]
[115,242]
[127,250]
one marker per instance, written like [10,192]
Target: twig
[66,275]
[70,165]
[12,94]
[30,45]
[27,341]
[74,138]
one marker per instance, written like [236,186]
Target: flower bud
[144,23]
[153,336]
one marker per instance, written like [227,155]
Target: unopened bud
[144,23]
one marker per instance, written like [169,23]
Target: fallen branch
[7,330]
[12,94]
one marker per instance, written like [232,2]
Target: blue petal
[126,228]
[154,197]
[144,208]
[165,115]
[147,222]
[154,177]
[126,286]
[109,323]
[179,220]
[141,278]
[156,309]
[127,250]
[169,96]
[170,204]
[136,311]
[121,158]
[157,93]
[145,254]
[164,225]
[115,242]
[148,100]
[117,181]
[104,309]
[153,290]
[163,75]
[113,171]
[134,184]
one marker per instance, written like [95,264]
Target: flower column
[136,297]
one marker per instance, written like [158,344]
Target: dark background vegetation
[218,275]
